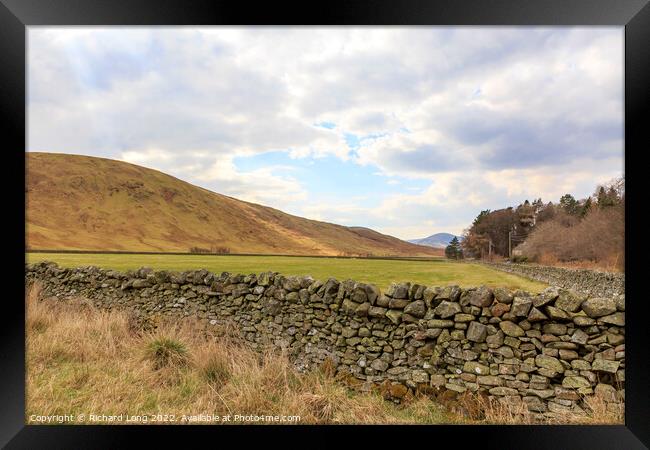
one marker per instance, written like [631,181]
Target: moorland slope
[87,203]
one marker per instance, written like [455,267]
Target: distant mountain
[438,240]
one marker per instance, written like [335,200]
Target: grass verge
[85,361]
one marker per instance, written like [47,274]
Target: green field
[376,271]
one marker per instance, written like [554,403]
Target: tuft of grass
[216,371]
[328,367]
[164,351]
[214,365]
[39,315]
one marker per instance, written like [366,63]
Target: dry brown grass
[85,361]
[81,360]
[611,263]
[474,408]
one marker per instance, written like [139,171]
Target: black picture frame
[16,15]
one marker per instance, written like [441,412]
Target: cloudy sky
[407,130]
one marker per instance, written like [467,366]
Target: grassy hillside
[375,271]
[88,203]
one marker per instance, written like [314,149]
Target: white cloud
[454,199]
[486,116]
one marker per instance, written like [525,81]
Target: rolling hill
[438,240]
[87,203]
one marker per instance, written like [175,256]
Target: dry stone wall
[546,350]
[591,282]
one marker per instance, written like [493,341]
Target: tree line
[587,229]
